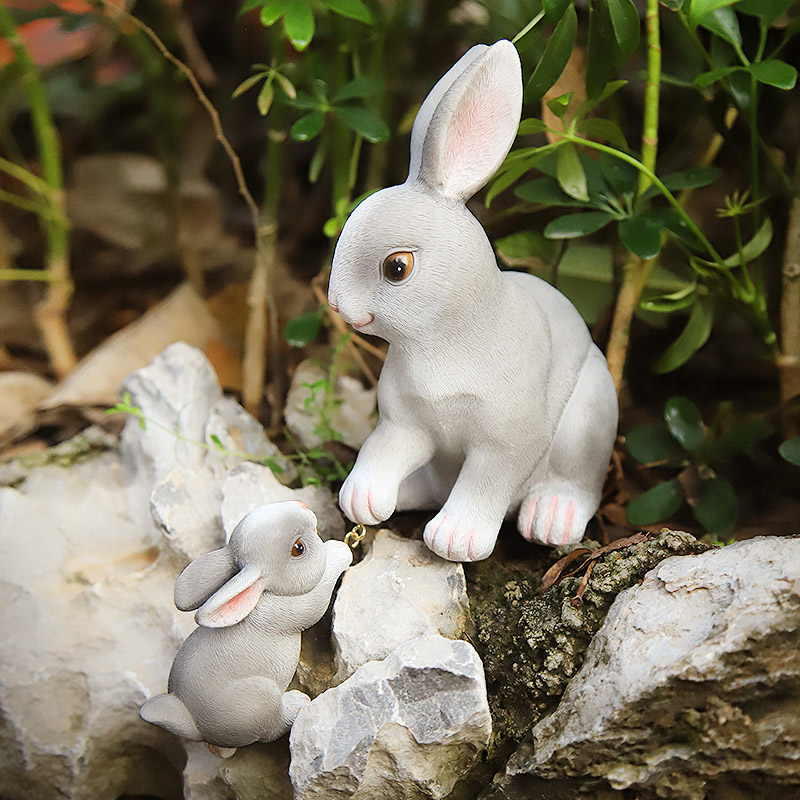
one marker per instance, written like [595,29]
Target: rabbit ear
[202,577]
[423,119]
[474,123]
[233,601]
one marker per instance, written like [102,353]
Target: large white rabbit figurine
[493,397]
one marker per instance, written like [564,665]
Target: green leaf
[308,126]
[246,84]
[545,191]
[302,330]
[571,226]
[287,87]
[705,79]
[685,423]
[363,86]
[590,104]
[775,73]
[354,9]
[249,5]
[769,11]
[625,23]
[272,12]
[640,236]
[742,438]
[527,245]
[675,5]
[305,102]
[717,506]
[298,24]
[657,504]
[755,247]
[676,224]
[531,125]
[693,178]
[265,97]
[699,8]
[554,10]
[790,450]
[554,58]
[559,105]
[366,124]
[505,178]
[723,23]
[674,301]
[599,67]
[650,444]
[603,130]
[622,176]
[691,339]
[570,172]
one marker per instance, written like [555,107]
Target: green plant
[588,165]
[698,452]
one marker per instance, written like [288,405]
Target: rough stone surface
[258,772]
[400,591]
[250,485]
[353,415]
[406,727]
[690,690]
[532,644]
[89,627]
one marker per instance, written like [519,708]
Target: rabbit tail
[169,712]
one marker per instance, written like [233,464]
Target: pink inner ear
[477,136]
[238,607]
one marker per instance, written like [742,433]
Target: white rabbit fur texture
[493,399]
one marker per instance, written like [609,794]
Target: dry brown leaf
[181,316]
[572,79]
[21,393]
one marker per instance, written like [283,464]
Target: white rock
[686,682]
[400,591]
[250,485]
[89,629]
[353,415]
[406,727]
[258,772]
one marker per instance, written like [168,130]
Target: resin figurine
[253,597]
[493,399]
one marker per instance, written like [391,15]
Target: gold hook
[354,537]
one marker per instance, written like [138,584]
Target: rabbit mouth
[362,323]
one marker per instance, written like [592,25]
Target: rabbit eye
[397,267]
[298,548]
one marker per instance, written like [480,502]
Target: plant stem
[636,271]
[50,313]
[789,360]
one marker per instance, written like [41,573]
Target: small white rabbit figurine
[493,397]
[254,596]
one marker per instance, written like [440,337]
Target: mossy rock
[532,644]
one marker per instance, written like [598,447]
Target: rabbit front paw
[459,539]
[555,517]
[367,501]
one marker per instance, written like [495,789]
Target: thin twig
[789,361]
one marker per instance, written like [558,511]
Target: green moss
[532,644]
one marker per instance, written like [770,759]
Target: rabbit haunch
[493,399]
[253,597]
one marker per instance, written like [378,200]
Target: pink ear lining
[238,607]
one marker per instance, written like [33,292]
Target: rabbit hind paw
[457,539]
[553,517]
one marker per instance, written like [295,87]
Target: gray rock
[406,727]
[258,772]
[353,415]
[89,630]
[689,690]
[400,591]
[251,485]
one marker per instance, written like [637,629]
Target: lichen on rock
[532,644]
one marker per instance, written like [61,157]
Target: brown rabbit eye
[298,548]
[397,267]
